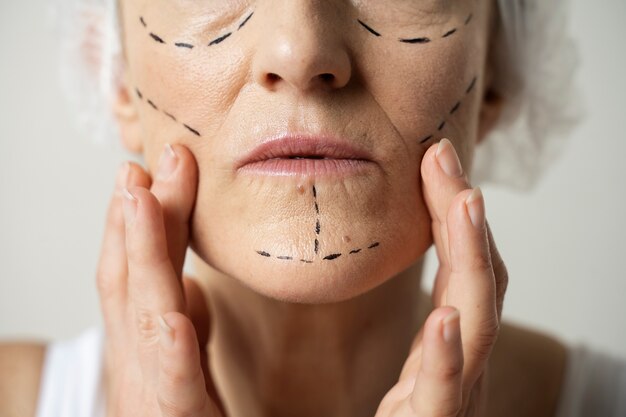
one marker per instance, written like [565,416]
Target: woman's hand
[444,374]
[156,325]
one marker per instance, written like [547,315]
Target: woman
[301,155]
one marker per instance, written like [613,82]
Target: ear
[125,108]
[490,111]
[491,105]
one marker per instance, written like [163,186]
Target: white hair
[535,62]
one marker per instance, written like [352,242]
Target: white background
[564,243]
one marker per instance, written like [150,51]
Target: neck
[266,354]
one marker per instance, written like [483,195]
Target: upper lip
[304,146]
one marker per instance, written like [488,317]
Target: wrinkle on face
[405,14]
[397,93]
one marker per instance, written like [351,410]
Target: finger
[443,178]
[500,271]
[200,315]
[112,269]
[471,286]
[414,360]
[181,386]
[395,400]
[437,390]
[153,286]
[175,187]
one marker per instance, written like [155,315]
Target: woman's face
[308,120]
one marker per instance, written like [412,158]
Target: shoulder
[20,372]
[526,373]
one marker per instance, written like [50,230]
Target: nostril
[327,77]
[272,78]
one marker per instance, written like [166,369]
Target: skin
[279,330]
[273,67]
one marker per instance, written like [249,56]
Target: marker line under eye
[420,39]
[415,40]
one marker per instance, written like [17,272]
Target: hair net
[535,63]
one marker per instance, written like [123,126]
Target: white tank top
[71,381]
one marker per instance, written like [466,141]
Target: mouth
[303,155]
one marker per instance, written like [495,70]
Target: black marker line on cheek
[369,29]
[416,40]
[450,33]
[192,130]
[220,39]
[453,110]
[184,45]
[245,21]
[157,38]
[169,115]
[471,86]
[426,139]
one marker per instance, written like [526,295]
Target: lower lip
[307,167]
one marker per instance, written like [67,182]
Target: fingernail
[166,334]
[130,206]
[476,208]
[448,159]
[451,326]
[167,163]
[122,176]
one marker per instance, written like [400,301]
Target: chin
[329,277]
[312,239]
[326,282]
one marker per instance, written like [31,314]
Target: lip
[300,154]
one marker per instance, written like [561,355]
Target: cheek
[183,89]
[357,233]
[429,91]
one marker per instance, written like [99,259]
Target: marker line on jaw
[316,243]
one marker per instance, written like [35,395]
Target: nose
[301,48]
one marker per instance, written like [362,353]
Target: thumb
[181,386]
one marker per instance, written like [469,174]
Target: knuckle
[172,408]
[481,263]
[450,371]
[107,284]
[502,275]
[144,258]
[482,344]
[449,408]
[147,327]
[176,376]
